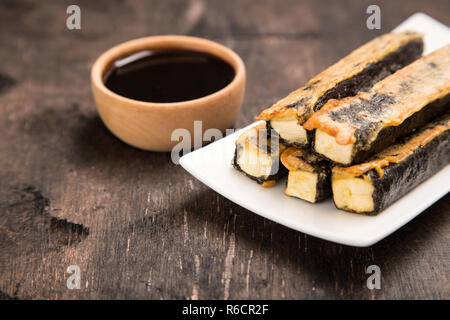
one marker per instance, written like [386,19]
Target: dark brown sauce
[168,76]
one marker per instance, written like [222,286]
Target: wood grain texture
[139,226]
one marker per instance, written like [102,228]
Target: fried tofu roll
[309,175]
[358,71]
[352,129]
[371,186]
[257,155]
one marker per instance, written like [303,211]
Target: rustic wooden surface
[139,226]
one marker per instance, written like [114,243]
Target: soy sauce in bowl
[168,76]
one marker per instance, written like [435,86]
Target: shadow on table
[340,269]
[94,145]
[27,229]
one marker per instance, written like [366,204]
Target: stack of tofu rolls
[366,130]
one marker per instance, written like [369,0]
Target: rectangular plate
[212,166]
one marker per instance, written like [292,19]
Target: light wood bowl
[148,125]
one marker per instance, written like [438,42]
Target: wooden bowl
[148,125]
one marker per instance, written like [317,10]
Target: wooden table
[137,225]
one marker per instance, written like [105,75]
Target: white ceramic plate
[212,166]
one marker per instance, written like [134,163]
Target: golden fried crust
[300,103]
[405,92]
[295,158]
[251,135]
[268,183]
[396,153]
[343,132]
